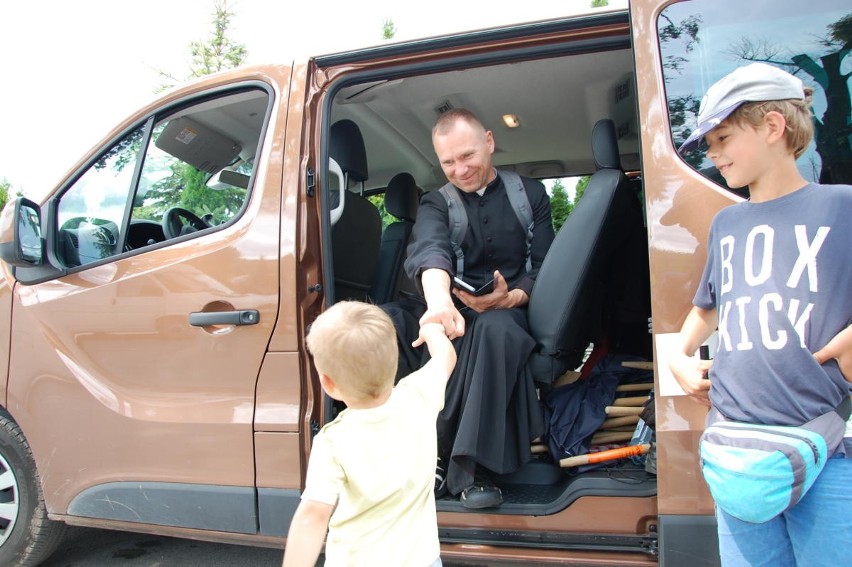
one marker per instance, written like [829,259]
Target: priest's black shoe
[481,494]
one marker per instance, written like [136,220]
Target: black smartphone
[488,287]
[704,354]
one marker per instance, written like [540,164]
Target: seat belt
[457,216]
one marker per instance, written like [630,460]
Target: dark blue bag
[574,412]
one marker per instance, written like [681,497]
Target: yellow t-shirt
[378,466]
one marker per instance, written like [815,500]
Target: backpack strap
[457,218]
[521,205]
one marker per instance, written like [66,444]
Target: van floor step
[542,488]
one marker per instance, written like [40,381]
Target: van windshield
[703,40]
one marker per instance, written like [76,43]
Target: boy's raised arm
[307,534]
[440,348]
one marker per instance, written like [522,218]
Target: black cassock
[491,412]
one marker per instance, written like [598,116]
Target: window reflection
[192,173]
[703,40]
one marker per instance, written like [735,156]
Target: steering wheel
[174,225]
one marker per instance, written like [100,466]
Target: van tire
[33,537]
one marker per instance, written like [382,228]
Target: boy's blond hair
[797,113]
[354,343]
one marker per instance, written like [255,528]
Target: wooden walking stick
[602,456]
[619,421]
[631,401]
[610,437]
[635,387]
[620,411]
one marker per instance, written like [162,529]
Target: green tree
[5,189]
[682,109]
[579,190]
[599,3]
[216,54]
[560,206]
[185,187]
[388,29]
[379,201]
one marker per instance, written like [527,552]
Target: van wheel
[27,537]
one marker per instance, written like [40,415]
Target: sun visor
[197,145]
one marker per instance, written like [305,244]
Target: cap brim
[694,139]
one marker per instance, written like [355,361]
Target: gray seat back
[567,301]
[356,236]
[401,200]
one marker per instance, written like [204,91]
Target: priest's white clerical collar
[480,192]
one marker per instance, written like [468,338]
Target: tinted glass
[194,174]
[703,40]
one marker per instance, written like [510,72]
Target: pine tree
[218,53]
[560,206]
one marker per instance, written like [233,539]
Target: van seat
[356,236]
[402,198]
[567,305]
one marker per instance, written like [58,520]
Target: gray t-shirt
[779,275]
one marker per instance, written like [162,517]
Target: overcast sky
[71,70]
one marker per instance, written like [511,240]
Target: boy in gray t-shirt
[776,286]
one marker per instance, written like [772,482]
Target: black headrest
[605,145]
[346,147]
[403,196]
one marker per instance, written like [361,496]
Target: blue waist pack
[756,472]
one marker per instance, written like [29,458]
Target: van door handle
[240,317]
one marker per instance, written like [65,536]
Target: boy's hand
[839,348]
[691,374]
[429,332]
[448,317]
[440,348]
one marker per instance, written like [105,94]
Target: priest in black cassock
[491,412]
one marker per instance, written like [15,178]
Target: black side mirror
[22,244]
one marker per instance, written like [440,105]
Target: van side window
[703,40]
[185,172]
[90,213]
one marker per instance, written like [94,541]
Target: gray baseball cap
[752,83]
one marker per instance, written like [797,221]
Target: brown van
[154,376]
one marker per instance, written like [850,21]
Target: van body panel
[278,393]
[70,365]
[5,331]
[172,531]
[286,157]
[679,207]
[688,540]
[278,460]
[227,508]
[189,408]
[302,178]
[499,556]
[275,509]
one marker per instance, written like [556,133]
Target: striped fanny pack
[756,472]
